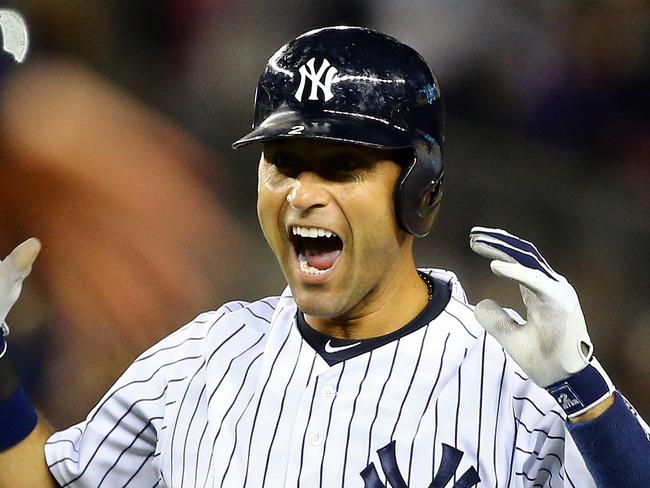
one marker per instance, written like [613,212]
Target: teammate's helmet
[355,85]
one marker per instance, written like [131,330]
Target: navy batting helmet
[355,85]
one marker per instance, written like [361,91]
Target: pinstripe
[569,478]
[354,409]
[264,319]
[311,370]
[496,423]
[232,404]
[458,406]
[541,431]
[426,406]
[539,410]
[480,406]
[408,390]
[137,436]
[170,348]
[435,441]
[136,382]
[198,452]
[520,376]
[329,422]
[536,454]
[137,471]
[173,435]
[461,323]
[234,445]
[74,447]
[187,436]
[261,399]
[304,436]
[277,423]
[381,395]
[230,363]
[512,453]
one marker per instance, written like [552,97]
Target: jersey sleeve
[117,441]
[116,445]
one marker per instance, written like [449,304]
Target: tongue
[321,259]
[321,253]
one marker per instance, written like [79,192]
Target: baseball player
[366,372]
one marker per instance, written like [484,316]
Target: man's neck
[381,312]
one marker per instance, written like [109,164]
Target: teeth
[311,232]
[310,270]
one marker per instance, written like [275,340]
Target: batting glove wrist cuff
[582,390]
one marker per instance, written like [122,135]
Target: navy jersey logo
[448,465]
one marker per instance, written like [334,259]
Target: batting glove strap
[582,390]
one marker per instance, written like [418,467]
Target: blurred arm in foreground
[134,238]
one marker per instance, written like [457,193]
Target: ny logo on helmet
[308,71]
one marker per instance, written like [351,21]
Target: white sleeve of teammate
[116,444]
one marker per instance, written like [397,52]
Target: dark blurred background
[115,139]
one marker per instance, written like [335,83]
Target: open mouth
[317,249]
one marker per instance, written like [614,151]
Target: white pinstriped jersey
[238,398]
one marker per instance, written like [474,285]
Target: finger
[494,318]
[23,256]
[500,325]
[533,279]
[510,239]
[485,248]
[495,248]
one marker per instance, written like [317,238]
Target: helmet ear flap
[419,191]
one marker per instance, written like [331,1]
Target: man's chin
[317,304]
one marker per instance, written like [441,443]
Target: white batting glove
[552,345]
[13,270]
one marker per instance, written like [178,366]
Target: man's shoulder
[255,315]
[234,318]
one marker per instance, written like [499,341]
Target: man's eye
[347,165]
[284,162]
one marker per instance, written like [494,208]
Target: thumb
[496,321]
[23,256]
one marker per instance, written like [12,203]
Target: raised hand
[13,270]
[553,342]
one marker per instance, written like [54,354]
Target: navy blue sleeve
[615,447]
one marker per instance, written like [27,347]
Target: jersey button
[328,392]
[315,439]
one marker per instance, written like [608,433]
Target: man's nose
[307,192]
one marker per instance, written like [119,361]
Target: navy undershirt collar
[334,350]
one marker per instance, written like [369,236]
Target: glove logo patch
[566,397]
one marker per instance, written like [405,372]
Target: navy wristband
[582,390]
[17,419]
